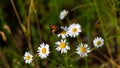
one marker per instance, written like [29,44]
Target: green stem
[68,20]
[84,5]
[66,60]
[103,29]
[53,61]
[117,35]
[92,49]
[86,62]
[71,54]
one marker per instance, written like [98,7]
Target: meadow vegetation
[25,28]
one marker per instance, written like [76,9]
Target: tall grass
[24,24]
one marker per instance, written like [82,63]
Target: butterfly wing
[55,29]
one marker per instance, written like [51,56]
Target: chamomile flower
[98,42]
[64,33]
[63,14]
[83,50]
[62,46]
[74,30]
[28,57]
[43,50]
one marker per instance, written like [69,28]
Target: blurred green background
[97,18]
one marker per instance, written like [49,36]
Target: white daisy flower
[62,46]
[64,33]
[63,14]
[28,57]
[74,30]
[98,42]
[43,50]
[83,50]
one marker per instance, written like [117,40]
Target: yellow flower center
[98,42]
[63,32]
[28,57]
[74,30]
[44,50]
[83,49]
[62,45]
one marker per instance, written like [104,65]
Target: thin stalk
[92,49]
[84,5]
[54,62]
[117,27]
[25,31]
[117,35]
[86,62]
[66,60]
[97,58]
[18,17]
[29,33]
[103,29]
[28,28]
[68,20]
[109,59]
[37,22]
[71,54]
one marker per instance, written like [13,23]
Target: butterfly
[55,29]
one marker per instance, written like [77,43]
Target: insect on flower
[55,29]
